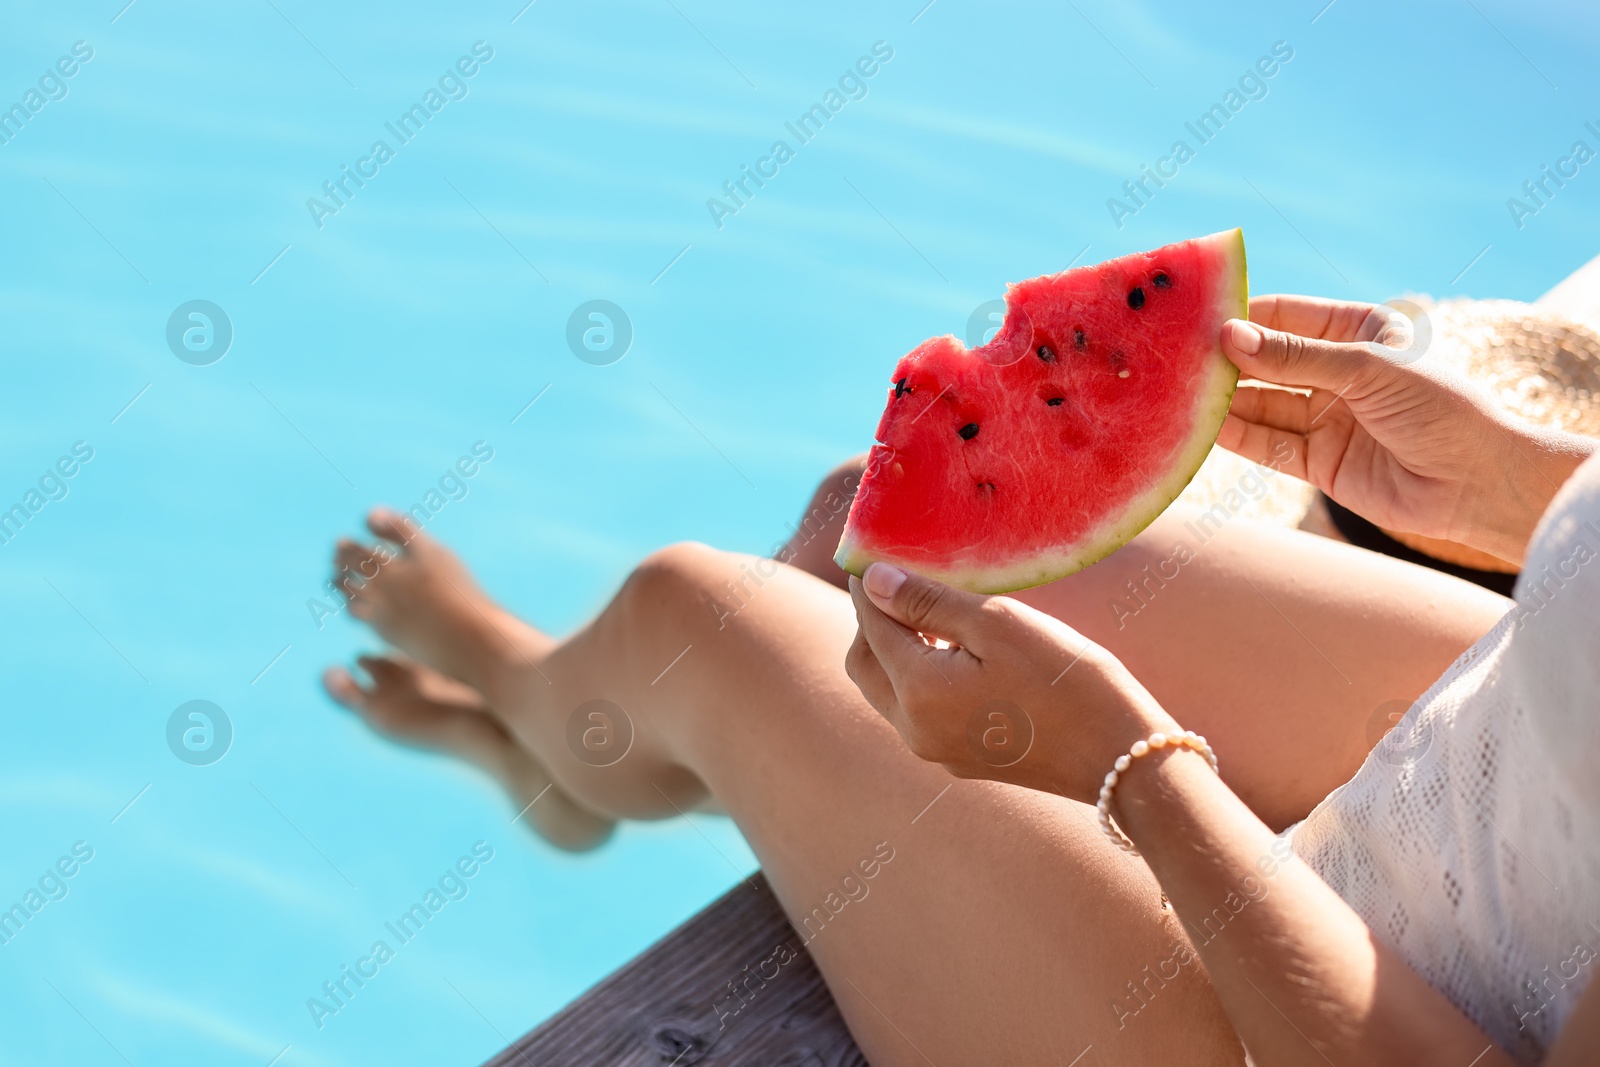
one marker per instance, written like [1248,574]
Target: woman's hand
[1016,697]
[1408,446]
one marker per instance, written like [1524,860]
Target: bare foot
[421,598]
[416,706]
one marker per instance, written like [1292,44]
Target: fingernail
[1245,337]
[884,580]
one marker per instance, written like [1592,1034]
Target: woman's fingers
[1310,316]
[1269,427]
[895,648]
[862,666]
[896,609]
[924,605]
[1277,408]
[1269,446]
[1290,359]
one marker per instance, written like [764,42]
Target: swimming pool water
[376,333]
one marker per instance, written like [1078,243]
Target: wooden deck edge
[732,985]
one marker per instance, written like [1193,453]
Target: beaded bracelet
[1187,739]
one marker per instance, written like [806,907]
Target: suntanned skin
[1006,928]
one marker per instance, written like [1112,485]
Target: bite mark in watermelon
[1029,458]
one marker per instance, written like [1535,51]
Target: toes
[396,673]
[392,526]
[349,557]
[348,554]
[343,688]
[404,714]
[394,680]
[384,671]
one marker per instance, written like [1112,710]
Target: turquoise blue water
[373,345]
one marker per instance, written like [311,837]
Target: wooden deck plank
[675,1004]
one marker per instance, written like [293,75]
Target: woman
[1007,927]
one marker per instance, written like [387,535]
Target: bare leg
[1021,927]
[1270,642]
[1019,923]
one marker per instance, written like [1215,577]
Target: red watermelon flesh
[1019,462]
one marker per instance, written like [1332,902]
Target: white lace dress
[1469,840]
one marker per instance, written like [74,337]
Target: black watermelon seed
[1162,281]
[1078,339]
[1054,401]
[1136,298]
[986,487]
[900,388]
[1047,353]
[969,431]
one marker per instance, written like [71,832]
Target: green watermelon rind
[1211,408]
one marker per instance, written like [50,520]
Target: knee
[687,587]
[838,487]
[680,581]
[848,473]
[811,547]
[682,565]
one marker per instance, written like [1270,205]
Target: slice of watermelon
[1048,448]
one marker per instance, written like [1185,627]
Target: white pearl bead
[1186,738]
